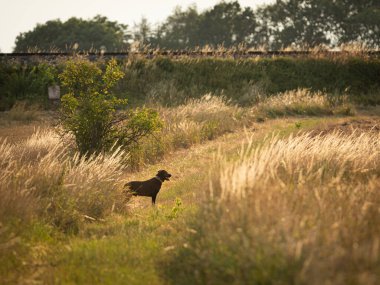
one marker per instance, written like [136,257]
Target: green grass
[119,258]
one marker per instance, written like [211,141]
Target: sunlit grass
[189,124]
[296,210]
[40,173]
[303,102]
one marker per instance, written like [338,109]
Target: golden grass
[303,102]
[41,178]
[210,115]
[296,210]
[304,160]
[44,166]
[46,187]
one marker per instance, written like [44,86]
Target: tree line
[298,23]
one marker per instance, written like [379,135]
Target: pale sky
[17,16]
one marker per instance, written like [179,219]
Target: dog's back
[148,188]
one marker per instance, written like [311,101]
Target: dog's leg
[154,199]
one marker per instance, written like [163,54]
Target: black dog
[149,188]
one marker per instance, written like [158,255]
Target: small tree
[89,109]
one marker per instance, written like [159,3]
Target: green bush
[89,109]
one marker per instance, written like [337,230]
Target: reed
[42,179]
[295,210]
[303,102]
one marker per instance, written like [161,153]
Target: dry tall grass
[40,178]
[296,210]
[194,122]
[303,102]
[212,115]
[22,112]
[45,188]
[304,160]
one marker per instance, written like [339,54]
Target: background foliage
[169,81]
[97,33]
[284,23]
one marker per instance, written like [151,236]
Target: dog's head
[164,175]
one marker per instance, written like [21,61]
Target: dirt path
[192,165]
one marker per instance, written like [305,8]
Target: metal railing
[184,53]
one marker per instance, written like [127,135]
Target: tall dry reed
[303,102]
[41,179]
[296,210]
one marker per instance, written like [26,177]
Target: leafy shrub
[89,109]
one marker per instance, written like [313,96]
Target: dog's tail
[128,189]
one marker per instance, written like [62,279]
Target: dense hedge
[25,82]
[237,78]
[171,81]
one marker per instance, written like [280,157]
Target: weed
[176,209]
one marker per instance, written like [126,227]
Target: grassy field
[284,192]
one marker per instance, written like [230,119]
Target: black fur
[149,188]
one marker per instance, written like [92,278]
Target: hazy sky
[18,16]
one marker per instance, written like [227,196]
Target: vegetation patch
[303,102]
[280,212]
